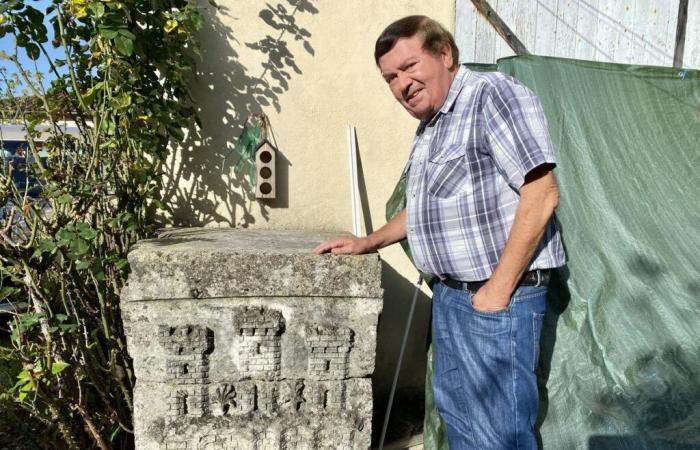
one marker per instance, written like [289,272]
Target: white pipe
[354,189]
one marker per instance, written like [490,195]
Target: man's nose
[404,82]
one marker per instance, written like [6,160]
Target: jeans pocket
[491,313]
[490,324]
[537,321]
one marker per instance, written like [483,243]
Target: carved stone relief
[325,395]
[172,444]
[260,392]
[228,441]
[244,339]
[187,368]
[297,439]
[259,346]
[339,438]
[269,440]
[329,347]
[263,397]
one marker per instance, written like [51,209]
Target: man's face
[418,79]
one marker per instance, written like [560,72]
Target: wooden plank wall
[623,31]
[691,56]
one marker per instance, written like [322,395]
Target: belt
[539,277]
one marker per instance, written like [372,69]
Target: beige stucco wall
[309,66]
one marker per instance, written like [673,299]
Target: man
[480,202]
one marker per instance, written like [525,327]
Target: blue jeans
[484,377]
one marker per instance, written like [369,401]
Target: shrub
[121,77]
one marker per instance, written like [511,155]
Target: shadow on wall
[201,186]
[409,401]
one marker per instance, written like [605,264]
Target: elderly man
[480,217]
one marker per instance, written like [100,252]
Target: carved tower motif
[297,439]
[187,368]
[328,395]
[259,332]
[329,347]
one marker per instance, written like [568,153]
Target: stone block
[245,339]
[209,263]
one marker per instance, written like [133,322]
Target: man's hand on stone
[393,231]
[345,246]
[489,299]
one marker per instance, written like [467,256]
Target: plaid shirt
[466,167]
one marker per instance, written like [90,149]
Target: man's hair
[434,35]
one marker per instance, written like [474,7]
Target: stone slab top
[237,240]
[227,262]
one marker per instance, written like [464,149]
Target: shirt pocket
[447,171]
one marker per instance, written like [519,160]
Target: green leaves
[64,199]
[85,231]
[23,323]
[122,101]
[115,432]
[47,246]
[77,240]
[24,385]
[108,33]
[8,292]
[28,380]
[58,367]
[97,9]
[62,323]
[124,45]
[78,248]
[33,51]
[122,38]
[130,61]
[170,25]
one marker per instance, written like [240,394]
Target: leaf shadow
[201,186]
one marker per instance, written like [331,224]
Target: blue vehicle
[16,155]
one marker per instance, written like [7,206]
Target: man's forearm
[537,203]
[392,232]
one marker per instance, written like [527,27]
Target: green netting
[621,349]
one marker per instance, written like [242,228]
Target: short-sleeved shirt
[467,165]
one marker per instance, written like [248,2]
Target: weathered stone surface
[293,346]
[248,366]
[210,263]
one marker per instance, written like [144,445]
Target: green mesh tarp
[620,363]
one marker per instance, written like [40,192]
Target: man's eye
[390,78]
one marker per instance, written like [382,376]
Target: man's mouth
[413,95]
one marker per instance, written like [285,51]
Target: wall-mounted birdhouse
[265,159]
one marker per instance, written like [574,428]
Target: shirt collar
[455,89]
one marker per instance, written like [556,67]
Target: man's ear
[446,55]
